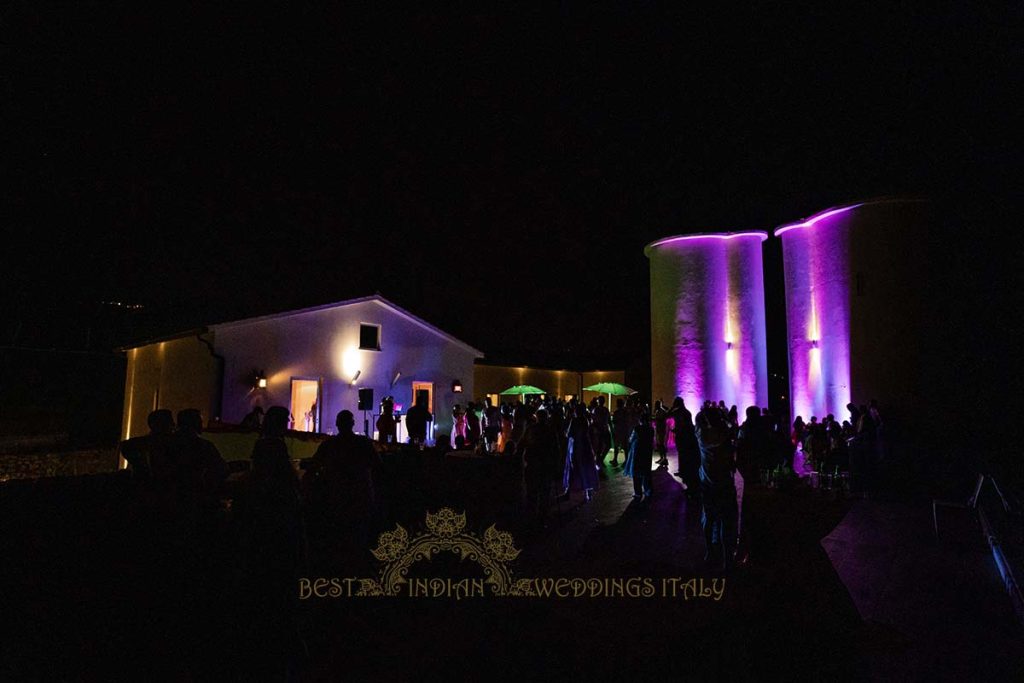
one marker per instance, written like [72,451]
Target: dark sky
[497,173]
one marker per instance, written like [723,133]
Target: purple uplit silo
[707,319]
[851,322]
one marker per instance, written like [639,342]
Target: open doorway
[305,406]
[425,391]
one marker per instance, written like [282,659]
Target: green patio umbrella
[523,390]
[610,388]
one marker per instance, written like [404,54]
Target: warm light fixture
[355,377]
[814,343]
[395,380]
[262,382]
[259,379]
[456,386]
[728,345]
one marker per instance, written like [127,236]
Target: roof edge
[841,208]
[763,234]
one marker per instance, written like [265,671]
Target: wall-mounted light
[814,343]
[259,379]
[456,386]
[395,380]
[355,377]
[728,345]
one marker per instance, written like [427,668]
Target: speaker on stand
[365,405]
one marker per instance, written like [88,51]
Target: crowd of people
[560,447]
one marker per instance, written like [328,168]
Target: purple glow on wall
[707,319]
[816,265]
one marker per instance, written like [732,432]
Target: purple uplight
[816,264]
[707,319]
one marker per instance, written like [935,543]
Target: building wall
[857,293]
[324,345]
[708,338]
[176,374]
[493,379]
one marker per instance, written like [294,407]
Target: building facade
[313,361]
[708,338]
[857,292]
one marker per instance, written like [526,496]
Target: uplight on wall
[355,377]
[259,379]
[456,386]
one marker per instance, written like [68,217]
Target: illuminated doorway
[306,407]
[424,390]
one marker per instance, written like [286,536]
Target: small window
[369,337]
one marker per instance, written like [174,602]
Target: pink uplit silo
[708,319]
[853,286]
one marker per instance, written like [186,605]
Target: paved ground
[877,599]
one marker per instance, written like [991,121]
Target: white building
[313,361]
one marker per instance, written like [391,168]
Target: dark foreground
[80,605]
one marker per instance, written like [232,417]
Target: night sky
[497,173]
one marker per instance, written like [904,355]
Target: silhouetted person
[472,425]
[752,452]
[199,477]
[339,485]
[686,446]
[640,457]
[602,437]
[253,420]
[491,425]
[717,488]
[542,459]
[143,452]
[660,418]
[387,426]
[416,421]
[580,471]
[272,543]
[204,467]
[620,432]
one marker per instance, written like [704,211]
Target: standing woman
[472,425]
[641,453]
[686,444]
[580,472]
[660,417]
[459,422]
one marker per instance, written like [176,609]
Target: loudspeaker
[366,399]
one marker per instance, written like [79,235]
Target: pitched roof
[375,298]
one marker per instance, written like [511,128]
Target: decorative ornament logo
[445,533]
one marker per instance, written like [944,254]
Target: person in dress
[687,447]
[620,432]
[600,428]
[660,417]
[640,456]
[719,511]
[459,422]
[580,471]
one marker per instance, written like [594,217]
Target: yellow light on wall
[350,362]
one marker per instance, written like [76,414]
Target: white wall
[325,344]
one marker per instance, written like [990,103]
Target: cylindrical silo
[708,319]
[856,280]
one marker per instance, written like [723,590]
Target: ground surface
[835,590]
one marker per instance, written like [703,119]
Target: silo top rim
[705,235]
[821,215]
